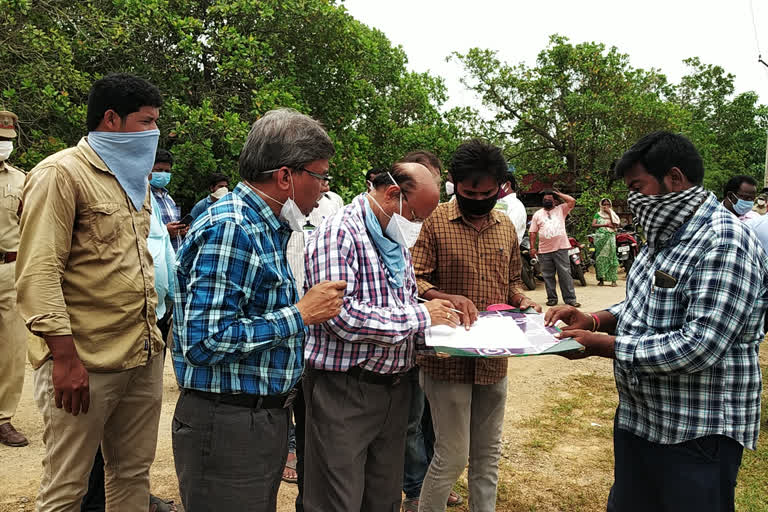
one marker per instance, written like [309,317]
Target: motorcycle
[530,268]
[627,247]
[577,267]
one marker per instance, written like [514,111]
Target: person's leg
[13,352]
[383,481]
[300,415]
[344,416]
[563,265]
[486,424]
[451,406]
[165,324]
[548,273]
[416,462]
[70,441]
[428,431]
[130,437]
[95,500]
[634,471]
[228,457]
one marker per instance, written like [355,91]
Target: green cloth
[606,261]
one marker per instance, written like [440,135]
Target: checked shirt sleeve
[721,292]
[227,269]
[336,256]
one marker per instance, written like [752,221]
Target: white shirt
[515,210]
[328,205]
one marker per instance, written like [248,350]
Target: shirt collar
[90,155]
[262,209]
[702,216]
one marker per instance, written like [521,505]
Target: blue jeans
[419,442]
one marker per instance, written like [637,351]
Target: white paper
[487,332]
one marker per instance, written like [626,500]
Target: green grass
[752,485]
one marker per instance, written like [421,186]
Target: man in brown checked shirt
[468,253]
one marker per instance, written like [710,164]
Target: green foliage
[220,65]
[568,118]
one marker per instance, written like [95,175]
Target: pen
[422,299]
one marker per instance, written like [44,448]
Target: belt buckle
[289,399]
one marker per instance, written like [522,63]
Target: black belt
[380,379]
[7,257]
[246,400]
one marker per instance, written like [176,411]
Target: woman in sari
[606,261]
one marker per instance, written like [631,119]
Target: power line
[754,28]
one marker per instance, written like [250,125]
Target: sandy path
[530,379]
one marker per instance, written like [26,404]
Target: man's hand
[467,308]
[533,253]
[322,302]
[176,229]
[70,378]
[526,303]
[573,318]
[440,313]
[595,344]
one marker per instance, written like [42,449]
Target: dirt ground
[530,381]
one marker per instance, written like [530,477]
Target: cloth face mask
[6,147]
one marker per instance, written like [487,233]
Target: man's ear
[283,178]
[676,181]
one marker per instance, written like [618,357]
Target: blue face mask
[391,253]
[130,156]
[160,179]
[741,206]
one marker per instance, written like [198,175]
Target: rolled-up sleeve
[47,222]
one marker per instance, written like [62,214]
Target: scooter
[627,247]
[529,266]
[577,267]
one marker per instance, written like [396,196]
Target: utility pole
[765,174]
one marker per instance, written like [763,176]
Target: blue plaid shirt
[236,328]
[168,212]
[687,355]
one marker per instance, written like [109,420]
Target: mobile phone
[187,220]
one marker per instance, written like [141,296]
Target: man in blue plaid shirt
[685,341]
[239,324]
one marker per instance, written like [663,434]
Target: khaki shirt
[84,267]
[11,185]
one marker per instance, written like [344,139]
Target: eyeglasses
[321,177]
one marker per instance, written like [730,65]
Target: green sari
[606,261]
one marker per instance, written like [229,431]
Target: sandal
[552,302]
[600,283]
[160,505]
[454,499]
[290,464]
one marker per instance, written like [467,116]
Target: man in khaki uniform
[85,288]
[13,345]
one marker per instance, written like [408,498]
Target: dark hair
[403,178]
[216,177]
[121,92]
[734,184]
[660,151]
[371,173]
[164,156]
[425,158]
[512,181]
[476,158]
[547,192]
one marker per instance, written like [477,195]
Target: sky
[654,33]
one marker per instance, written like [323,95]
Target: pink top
[550,224]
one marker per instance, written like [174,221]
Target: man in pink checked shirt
[355,388]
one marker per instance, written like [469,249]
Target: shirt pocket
[11,198]
[104,222]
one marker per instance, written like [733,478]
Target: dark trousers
[299,414]
[557,261]
[420,439]
[228,457]
[694,476]
[355,443]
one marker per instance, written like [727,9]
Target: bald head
[411,181]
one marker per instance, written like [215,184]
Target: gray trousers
[557,261]
[228,457]
[355,443]
[468,421]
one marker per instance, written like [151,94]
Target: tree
[220,65]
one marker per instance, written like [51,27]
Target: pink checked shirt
[378,324]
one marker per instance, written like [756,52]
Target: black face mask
[476,207]
[548,204]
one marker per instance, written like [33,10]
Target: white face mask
[220,192]
[6,147]
[290,212]
[449,188]
[400,229]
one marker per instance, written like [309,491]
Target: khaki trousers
[123,417]
[13,345]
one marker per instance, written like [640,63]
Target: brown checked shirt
[84,267]
[483,265]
